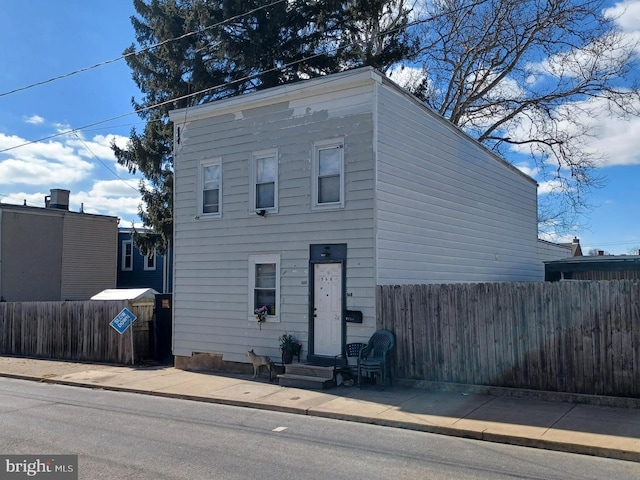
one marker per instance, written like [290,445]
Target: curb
[543,395]
[565,447]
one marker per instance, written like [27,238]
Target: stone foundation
[210,362]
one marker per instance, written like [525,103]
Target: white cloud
[19,198]
[106,197]
[626,14]
[111,197]
[34,119]
[527,169]
[100,146]
[40,172]
[67,157]
[604,53]
[40,163]
[554,237]
[115,188]
[406,77]
[549,186]
[84,166]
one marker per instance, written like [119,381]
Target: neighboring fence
[578,337]
[74,330]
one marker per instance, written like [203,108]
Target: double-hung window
[126,262]
[210,192]
[265,180]
[264,285]
[150,261]
[328,174]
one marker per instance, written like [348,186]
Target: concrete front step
[304,381]
[309,370]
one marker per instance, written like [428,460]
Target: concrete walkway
[605,431]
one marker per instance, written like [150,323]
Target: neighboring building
[136,270]
[52,254]
[304,197]
[576,249]
[600,267]
[548,251]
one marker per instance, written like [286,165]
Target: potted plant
[289,347]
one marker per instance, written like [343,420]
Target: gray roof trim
[327,83]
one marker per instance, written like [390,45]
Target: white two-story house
[304,197]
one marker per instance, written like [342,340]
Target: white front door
[327,303]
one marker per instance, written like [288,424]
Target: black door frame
[318,254]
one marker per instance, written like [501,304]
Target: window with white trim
[264,285]
[210,191]
[150,261]
[328,174]
[264,171]
[126,261]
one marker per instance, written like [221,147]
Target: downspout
[376,100]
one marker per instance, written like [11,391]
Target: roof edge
[325,83]
[215,108]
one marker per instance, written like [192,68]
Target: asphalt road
[129,436]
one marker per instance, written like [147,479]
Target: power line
[166,102]
[113,60]
[26,204]
[215,87]
[104,164]
[630,242]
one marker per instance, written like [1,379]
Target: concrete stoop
[300,375]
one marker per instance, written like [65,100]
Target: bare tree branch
[527,76]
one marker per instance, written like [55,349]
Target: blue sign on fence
[123,321]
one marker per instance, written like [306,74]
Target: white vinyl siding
[264,285]
[264,180]
[126,262]
[548,251]
[328,174]
[448,210]
[210,190]
[418,202]
[212,299]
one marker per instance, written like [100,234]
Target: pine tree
[211,50]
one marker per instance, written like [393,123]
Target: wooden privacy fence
[578,337]
[74,330]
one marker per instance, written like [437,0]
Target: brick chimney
[576,250]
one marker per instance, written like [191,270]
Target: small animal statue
[258,361]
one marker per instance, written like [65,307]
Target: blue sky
[42,39]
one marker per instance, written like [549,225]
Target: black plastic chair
[341,363]
[375,357]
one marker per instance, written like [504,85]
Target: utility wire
[104,164]
[113,60]
[226,84]
[149,107]
[24,200]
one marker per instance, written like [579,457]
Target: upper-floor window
[328,174]
[210,191]
[126,261]
[150,261]
[264,168]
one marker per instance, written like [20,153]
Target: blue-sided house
[136,270]
[304,197]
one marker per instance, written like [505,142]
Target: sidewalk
[604,431]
